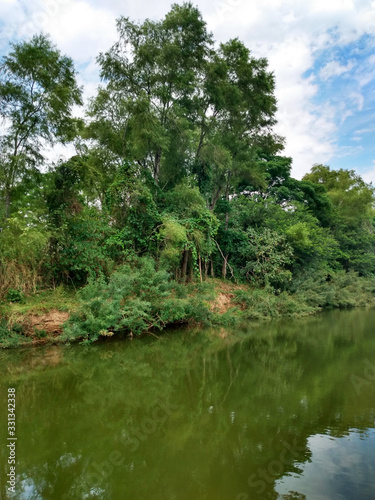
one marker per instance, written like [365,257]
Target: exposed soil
[50,322]
[225,296]
[222,303]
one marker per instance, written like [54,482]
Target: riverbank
[66,315]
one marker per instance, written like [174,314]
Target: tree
[188,229]
[153,77]
[181,108]
[266,254]
[351,196]
[236,117]
[38,89]
[286,190]
[352,221]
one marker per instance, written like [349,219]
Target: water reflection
[340,468]
[265,412]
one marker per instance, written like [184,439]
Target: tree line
[176,160]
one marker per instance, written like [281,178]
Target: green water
[257,413]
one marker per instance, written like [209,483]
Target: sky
[322,53]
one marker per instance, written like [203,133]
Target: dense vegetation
[178,178]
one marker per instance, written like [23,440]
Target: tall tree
[38,89]
[236,117]
[153,76]
[180,107]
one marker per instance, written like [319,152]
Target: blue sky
[344,75]
[322,53]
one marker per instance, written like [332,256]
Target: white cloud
[369,175]
[363,131]
[358,99]
[334,68]
[290,33]
[79,29]
[59,152]
[320,6]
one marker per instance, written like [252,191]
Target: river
[280,410]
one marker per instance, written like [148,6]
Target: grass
[60,299]
[15,317]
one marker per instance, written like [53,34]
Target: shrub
[10,335]
[135,299]
[13,295]
[22,253]
[336,290]
[266,303]
[266,255]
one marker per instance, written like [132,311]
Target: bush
[10,335]
[13,295]
[134,300]
[266,303]
[22,254]
[336,290]
[266,255]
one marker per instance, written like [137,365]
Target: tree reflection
[241,409]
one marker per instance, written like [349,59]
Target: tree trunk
[227,200]
[184,265]
[7,203]
[200,267]
[202,134]
[224,267]
[214,199]
[157,165]
[225,258]
[212,268]
[191,267]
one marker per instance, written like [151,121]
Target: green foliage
[178,106]
[167,58]
[81,248]
[299,236]
[13,295]
[266,255]
[307,295]
[336,290]
[10,335]
[24,239]
[135,299]
[265,303]
[23,245]
[178,174]
[37,92]
[62,193]
[174,237]
[133,210]
[288,191]
[352,218]
[188,226]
